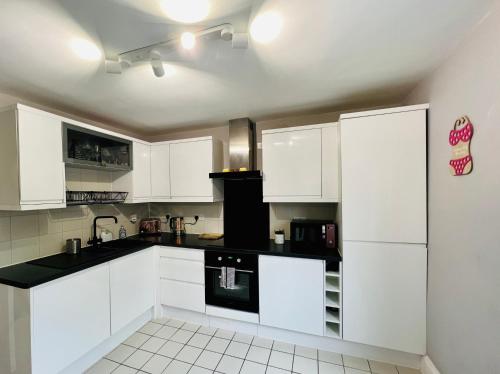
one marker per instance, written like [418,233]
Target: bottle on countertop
[122,233]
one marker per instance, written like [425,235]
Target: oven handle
[241,271]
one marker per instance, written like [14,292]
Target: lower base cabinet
[291,293]
[132,287]
[70,317]
[385,295]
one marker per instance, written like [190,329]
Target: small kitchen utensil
[73,246]
[150,226]
[178,226]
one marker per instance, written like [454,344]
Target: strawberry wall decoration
[460,139]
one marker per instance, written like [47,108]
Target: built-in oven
[232,280]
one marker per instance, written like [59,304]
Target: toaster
[150,226]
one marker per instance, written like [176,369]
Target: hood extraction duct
[242,151]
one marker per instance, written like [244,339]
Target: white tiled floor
[174,347]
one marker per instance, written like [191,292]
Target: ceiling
[330,53]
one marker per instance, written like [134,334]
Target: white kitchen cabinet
[132,287]
[160,172]
[70,317]
[182,278]
[301,164]
[31,160]
[136,182]
[384,175]
[191,161]
[384,295]
[291,293]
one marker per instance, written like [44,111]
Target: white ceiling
[329,53]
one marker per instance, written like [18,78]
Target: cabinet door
[182,295]
[142,170]
[291,162]
[384,178]
[330,163]
[41,166]
[190,164]
[70,317]
[291,293]
[132,287]
[385,295]
[160,171]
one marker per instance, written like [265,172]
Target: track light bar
[150,52]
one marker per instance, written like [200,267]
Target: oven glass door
[243,296]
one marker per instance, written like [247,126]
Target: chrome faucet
[95,241]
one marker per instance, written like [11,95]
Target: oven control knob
[238,260]
[219,258]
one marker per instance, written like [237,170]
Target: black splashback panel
[246,217]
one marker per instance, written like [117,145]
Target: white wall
[463,325]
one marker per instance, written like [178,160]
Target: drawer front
[182,253]
[182,295]
[182,270]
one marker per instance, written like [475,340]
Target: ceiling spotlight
[85,49]
[157,64]
[188,40]
[266,27]
[226,33]
[186,11]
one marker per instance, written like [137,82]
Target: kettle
[178,226]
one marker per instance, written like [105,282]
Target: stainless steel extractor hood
[242,154]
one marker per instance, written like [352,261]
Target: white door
[132,280]
[190,164]
[41,166]
[291,163]
[70,317]
[291,293]
[160,171]
[385,295]
[142,170]
[384,178]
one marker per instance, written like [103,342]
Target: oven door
[244,296]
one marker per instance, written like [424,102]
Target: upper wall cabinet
[191,161]
[31,160]
[138,181]
[160,172]
[384,177]
[301,164]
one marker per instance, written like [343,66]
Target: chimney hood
[242,153]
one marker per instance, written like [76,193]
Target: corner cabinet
[191,161]
[136,182]
[301,164]
[291,293]
[160,172]
[31,160]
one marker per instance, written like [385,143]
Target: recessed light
[186,11]
[266,27]
[188,40]
[85,49]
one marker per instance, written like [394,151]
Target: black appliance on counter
[313,234]
[220,291]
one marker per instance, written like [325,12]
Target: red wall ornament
[460,139]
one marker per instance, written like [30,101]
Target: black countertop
[39,271]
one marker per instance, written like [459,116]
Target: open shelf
[335,274]
[332,300]
[332,315]
[332,284]
[332,329]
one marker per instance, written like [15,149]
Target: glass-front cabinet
[91,149]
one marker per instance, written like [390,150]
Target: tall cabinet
[384,216]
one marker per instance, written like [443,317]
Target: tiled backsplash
[28,235]
[211,215]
